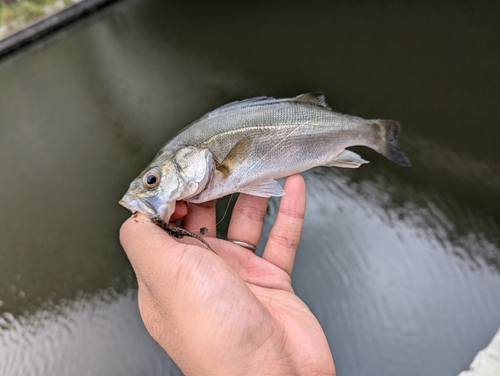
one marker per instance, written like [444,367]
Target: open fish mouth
[143,205]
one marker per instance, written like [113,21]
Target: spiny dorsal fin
[316,98]
[236,156]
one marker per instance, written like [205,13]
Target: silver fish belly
[244,146]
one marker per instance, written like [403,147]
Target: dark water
[401,266]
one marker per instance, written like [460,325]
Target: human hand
[233,313]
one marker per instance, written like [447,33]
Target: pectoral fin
[236,156]
[347,159]
[264,188]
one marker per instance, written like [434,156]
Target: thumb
[160,261]
[151,251]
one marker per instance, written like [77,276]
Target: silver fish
[244,146]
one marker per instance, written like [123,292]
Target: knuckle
[293,212]
[285,240]
[253,213]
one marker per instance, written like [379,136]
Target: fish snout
[143,205]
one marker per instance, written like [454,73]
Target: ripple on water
[383,277]
[95,335]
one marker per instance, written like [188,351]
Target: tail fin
[389,130]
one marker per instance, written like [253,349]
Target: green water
[401,266]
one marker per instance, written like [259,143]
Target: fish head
[154,191]
[169,179]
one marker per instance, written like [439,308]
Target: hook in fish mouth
[146,205]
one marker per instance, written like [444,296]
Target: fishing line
[204,230]
[225,211]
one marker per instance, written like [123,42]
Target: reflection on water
[401,266]
[390,291]
[460,207]
[91,335]
[386,287]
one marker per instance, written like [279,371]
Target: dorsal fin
[316,98]
[240,104]
[245,102]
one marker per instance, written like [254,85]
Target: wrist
[265,361]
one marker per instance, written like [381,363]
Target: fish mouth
[138,204]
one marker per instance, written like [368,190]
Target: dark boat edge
[41,27]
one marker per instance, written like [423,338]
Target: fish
[244,146]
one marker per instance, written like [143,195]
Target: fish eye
[151,179]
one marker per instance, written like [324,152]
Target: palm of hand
[235,313]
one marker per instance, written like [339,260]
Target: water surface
[401,266]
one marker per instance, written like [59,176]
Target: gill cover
[184,175]
[195,167]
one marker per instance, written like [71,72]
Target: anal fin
[347,159]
